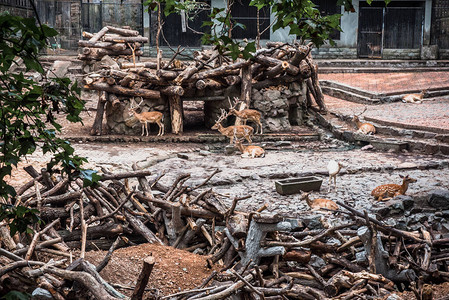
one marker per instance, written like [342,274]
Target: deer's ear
[401,176]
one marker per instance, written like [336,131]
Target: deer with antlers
[148,117]
[246,114]
[365,128]
[232,132]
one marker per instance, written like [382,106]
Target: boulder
[439,199]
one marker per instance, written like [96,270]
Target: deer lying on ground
[250,151]
[414,98]
[392,190]
[365,128]
[319,203]
[236,131]
[247,115]
[149,117]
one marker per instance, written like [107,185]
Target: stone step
[329,70]
[199,138]
[387,137]
[347,95]
[375,63]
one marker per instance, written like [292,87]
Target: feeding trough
[295,185]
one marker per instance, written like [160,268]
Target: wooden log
[116,89]
[127,39]
[185,74]
[185,211]
[142,280]
[148,64]
[99,53]
[177,125]
[6,238]
[273,62]
[167,74]
[301,256]
[220,71]
[97,127]
[122,31]
[173,90]
[208,83]
[104,45]
[301,53]
[98,35]
[141,229]
[273,72]
[85,279]
[105,230]
[245,93]
[87,35]
[276,81]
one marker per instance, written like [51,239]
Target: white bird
[334,168]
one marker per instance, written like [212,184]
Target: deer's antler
[366,107]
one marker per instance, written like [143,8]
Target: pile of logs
[264,256]
[205,78]
[111,41]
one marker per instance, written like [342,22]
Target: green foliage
[28,109]
[21,218]
[15,295]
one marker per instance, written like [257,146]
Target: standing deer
[375,48]
[414,98]
[236,131]
[365,128]
[247,115]
[392,190]
[149,117]
[250,151]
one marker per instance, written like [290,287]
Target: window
[245,14]
[329,7]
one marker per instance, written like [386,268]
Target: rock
[183,155]
[313,222]
[59,69]
[270,95]
[283,144]
[204,153]
[317,262]
[439,199]
[40,294]
[394,297]
[407,201]
[230,149]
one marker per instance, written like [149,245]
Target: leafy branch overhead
[28,108]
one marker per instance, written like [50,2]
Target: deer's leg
[260,125]
[143,129]
[146,127]
[232,140]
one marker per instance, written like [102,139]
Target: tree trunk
[97,127]
[176,114]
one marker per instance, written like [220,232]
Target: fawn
[414,98]
[236,131]
[247,115]
[334,168]
[250,151]
[149,117]
[392,190]
[319,203]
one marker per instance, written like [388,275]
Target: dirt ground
[177,270]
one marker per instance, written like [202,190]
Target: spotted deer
[232,132]
[365,128]
[414,98]
[148,117]
[245,115]
[392,190]
[319,203]
[250,151]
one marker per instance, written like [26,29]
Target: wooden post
[246,85]
[142,281]
[176,114]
